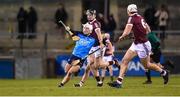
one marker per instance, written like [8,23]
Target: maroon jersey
[107,50]
[95,25]
[138,28]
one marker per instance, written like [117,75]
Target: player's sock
[119,80]
[81,83]
[97,78]
[163,72]
[111,78]
[148,75]
[61,85]
[116,63]
[99,82]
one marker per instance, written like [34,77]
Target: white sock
[81,83]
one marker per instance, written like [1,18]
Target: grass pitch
[132,86]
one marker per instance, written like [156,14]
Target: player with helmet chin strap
[80,51]
[141,46]
[94,60]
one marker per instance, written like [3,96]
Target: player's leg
[84,77]
[72,70]
[154,58]
[111,72]
[94,70]
[151,66]
[124,65]
[148,72]
[87,71]
[103,73]
[148,76]
[108,61]
[97,63]
[67,67]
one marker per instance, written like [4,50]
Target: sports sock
[119,80]
[61,84]
[163,72]
[148,75]
[81,83]
[97,78]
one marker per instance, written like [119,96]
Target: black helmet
[91,11]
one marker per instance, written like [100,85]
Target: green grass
[131,86]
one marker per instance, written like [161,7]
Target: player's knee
[69,74]
[125,61]
[147,66]
[87,70]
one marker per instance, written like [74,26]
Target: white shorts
[107,58]
[97,53]
[142,49]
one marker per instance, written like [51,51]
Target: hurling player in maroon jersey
[94,60]
[141,47]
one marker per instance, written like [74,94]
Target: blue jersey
[83,45]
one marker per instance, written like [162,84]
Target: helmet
[91,11]
[132,8]
[88,26]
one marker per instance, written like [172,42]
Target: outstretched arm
[73,36]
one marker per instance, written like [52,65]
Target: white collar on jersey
[92,21]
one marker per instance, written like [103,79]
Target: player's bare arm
[148,29]
[98,32]
[109,44]
[127,31]
[74,37]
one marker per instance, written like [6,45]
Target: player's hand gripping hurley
[75,38]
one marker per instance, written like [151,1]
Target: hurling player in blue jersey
[84,43]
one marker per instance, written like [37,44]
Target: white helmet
[132,8]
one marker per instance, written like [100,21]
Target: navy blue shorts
[73,57]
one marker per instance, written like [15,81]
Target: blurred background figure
[32,22]
[22,22]
[101,19]
[111,26]
[163,16]
[150,18]
[62,15]
[84,17]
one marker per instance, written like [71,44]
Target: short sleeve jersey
[95,25]
[138,28]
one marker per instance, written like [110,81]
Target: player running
[155,56]
[81,50]
[141,46]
